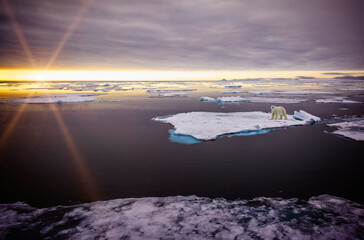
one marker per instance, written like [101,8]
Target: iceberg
[353,129]
[187,217]
[210,125]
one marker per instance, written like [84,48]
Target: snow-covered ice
[59,98]
[207,99]
[152,90]
[233,86]
[238,99]
[264,92]
[353,128]
[173,94]
[231,99]
[304,92]
[336,100]
[187,217]
[210,125]
[232,92]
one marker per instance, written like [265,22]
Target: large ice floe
[336,100]
[238,99]
[204,126]
[350,128]
[60,98]
[153,90]
[190,217]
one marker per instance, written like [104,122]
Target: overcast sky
[188,34]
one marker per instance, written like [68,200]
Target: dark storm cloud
[194,34]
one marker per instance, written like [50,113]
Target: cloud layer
[188,35]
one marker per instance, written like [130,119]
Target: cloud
[187,35]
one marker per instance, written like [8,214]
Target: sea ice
[152,90]
[353,129]
[187,217]
[60,98]
[232,92]
[304,92]
[207,99]
[262,92]
[173,94]
[335,100]
[238,99]
[210,125]
[233,86]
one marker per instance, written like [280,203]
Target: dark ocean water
[125,154]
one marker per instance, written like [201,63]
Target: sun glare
[147,75]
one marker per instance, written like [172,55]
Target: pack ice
[210,125]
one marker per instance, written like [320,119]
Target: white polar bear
[278,110]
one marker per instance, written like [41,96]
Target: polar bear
[278,110]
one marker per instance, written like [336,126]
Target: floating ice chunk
[173,94]
[336,100]
[210,125]
[233,86]
[188,217]
[238,99]
[305,92]
[262,92]
[230,99]
[207,99]
[353,129]
[152,90]
[305,116]
[60,98]
[351,89]
[232,92]
[275,100]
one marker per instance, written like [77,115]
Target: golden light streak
[19,33]
[86,177]
[11,126]
[151,75]
[68,33]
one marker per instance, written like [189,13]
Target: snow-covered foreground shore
[190,217]
[209,125]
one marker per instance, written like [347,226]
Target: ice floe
[336,100]
[353,128]
[262,92]
[233,86]
[210,125]
[238,99]
[232,92]
[60,98]
[171,90]
[304,92]
[173,94]
[187,217]
[351,89]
